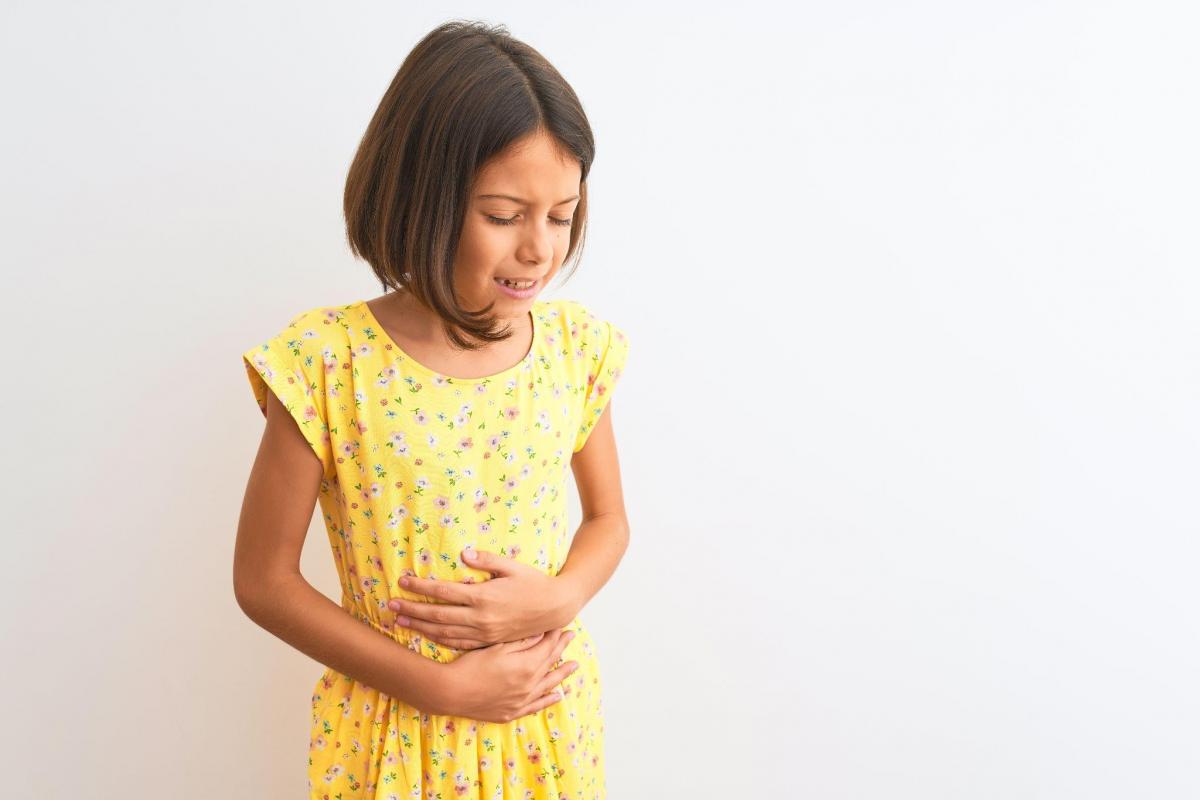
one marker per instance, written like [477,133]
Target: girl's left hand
[519,601]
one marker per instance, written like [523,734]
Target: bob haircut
[465,93]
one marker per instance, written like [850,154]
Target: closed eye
[513,221]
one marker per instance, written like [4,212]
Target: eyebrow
[524,202]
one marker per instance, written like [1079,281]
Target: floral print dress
[417,466]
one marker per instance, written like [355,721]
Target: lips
[517,294]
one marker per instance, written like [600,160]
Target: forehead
[534,168]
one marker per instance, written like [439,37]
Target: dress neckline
[383,335]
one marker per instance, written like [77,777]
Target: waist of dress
[416,640]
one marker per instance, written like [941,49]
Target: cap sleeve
[292,364]
[608,349]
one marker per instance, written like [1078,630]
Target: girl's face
[517,226]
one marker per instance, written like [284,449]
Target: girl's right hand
[508,680]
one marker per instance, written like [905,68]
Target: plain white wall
[909,430]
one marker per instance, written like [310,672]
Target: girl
[435,425]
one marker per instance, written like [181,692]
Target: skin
[518,605]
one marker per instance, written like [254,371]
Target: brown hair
[465,93]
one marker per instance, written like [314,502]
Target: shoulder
[308,345]
[321,318]
[578,323]
[317,329]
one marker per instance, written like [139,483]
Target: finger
[459,644]
[496,564]
[526,643]
[547,640]
[454,592]
[542,702]
[547,650]
[557,647]
[440,632]
[432,612]
[557,676]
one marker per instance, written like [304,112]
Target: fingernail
[404,582]
[469,554]
[570,635]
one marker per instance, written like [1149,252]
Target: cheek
[479,251]
[485,242]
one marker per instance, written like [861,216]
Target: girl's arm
[297,613]
[602,537]
[276,512]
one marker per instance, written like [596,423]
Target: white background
[909,429]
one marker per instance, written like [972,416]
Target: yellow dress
[417,466]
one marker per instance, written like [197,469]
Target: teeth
[515,284]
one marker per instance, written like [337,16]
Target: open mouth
[519,285]
[517,288]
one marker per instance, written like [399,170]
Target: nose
[537,246]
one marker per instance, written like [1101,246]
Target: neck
[420,324]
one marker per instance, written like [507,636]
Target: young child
[435,425]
